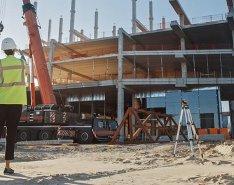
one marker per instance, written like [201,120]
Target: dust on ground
[148,164]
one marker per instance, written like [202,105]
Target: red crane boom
[44,81]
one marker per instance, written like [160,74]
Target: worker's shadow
[14,178]
[18,178]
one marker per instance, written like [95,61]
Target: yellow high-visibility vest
[12,81]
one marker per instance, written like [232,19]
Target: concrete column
[163,23]
[51,58]
[35,5]
[134,25]
[233,39]
[60,30]
[183,62]
[184,69]
[181,20]
[151,18]
[182,43]
[114,31]
[69,77]
[120,103]
[96,25]
[49,30]
[72,21]
[232,118]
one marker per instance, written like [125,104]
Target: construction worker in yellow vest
[12,97]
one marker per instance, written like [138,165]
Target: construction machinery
[48,120]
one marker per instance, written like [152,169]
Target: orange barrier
[202,131]
[213,130]
[225,132]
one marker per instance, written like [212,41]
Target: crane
[49,120]
[38,55]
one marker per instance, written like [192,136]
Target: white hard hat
[8,44]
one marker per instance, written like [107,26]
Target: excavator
[49,120]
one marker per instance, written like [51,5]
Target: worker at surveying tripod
[12,97]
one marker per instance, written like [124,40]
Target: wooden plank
[141,125]
[120,126]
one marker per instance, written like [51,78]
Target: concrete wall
[200,101]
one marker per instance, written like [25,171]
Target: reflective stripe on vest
[3,68]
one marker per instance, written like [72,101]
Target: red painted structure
[44,81]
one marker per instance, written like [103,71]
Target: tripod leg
[189,130]
[178,131]
[197,140]
[195,135]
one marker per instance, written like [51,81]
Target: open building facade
[157,68]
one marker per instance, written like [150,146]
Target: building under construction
[156,67]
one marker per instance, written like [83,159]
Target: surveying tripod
[191,130]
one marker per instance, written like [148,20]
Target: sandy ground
[148,164]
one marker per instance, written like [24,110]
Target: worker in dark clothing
[12,97]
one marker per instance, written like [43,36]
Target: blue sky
[110,12]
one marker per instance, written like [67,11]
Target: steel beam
[179,52]
[128,36]
[180,11]
[106,83]
[68,48]
[131,39]
[141,26]
[87,58]
[178,29]
[80,35]
[160,82]
[173,81]
[73,72]
[152,53]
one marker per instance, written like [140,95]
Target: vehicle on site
[49,120]
[46,122]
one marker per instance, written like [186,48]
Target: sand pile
[225,149]
[102,164]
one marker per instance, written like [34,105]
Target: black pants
[9,117]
